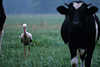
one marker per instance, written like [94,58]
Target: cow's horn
[66,4]
[89,4]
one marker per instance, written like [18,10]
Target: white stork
[26,39]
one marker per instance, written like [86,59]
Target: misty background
[37,6]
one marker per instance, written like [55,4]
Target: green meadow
[47,48]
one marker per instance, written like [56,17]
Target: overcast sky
[34,6]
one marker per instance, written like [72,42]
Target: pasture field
[47,49]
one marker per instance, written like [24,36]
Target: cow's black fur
[78,29]
[2,15]
[2,21]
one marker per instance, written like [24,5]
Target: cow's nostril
[75,22]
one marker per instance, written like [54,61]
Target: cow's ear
[62,10]
[93,10]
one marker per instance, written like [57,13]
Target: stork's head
[24,26]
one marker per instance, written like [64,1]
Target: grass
[47,49]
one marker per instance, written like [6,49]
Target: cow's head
[77,10]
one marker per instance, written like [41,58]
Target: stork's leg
[24,51]
[28,50]
[1,36]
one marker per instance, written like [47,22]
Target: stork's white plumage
[26,38]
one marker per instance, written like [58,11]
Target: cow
[2,21]
[80,30]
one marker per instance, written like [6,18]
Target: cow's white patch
[96,25]
[82,51]
[77,5]
[74,60]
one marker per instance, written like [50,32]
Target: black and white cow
[2,21]
[80,30]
